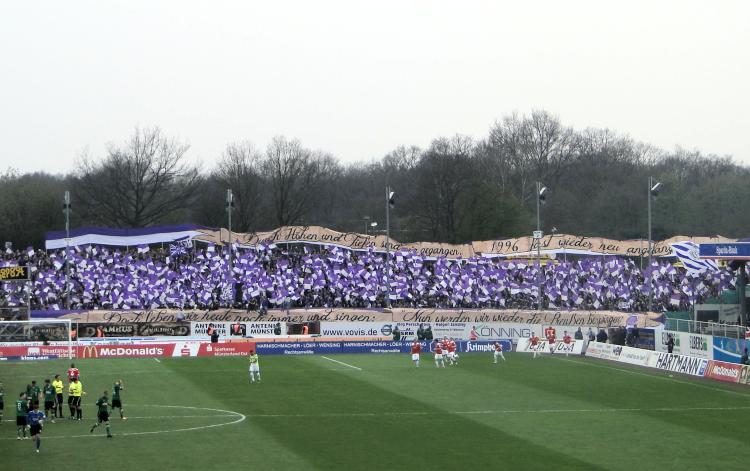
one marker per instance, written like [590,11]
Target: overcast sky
[358,79]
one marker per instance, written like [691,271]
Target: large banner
[565,319]
[558,243]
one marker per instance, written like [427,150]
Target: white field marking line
[342,363]
[114,419]
[157,360]
[655,376]
[500,411]
[240,418]
[124,373]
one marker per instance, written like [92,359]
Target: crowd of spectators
[312,276]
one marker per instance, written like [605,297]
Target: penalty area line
[342,363]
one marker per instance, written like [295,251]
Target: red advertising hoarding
[230,349]
[143,350]
[723,371]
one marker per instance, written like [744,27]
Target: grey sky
[360,78]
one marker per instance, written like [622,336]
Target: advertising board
[380,347]
[661,339]
[575,346]
[226,349]
[472,346]
[408,330]
[604,351]
[723,371]
[678,363]
[201,328]
[696,345]
[729,349]
[297,348]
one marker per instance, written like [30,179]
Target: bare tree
[537,147]
[295,175]
[140,183]
[239,169]
[445,172]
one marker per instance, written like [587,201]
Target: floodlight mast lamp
[654,188]
[366,219]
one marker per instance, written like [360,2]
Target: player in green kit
[32,393]
[22,410]
[49,399]
[254,369]
[102,416]
[116,400]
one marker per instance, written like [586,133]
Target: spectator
[215,336]
[744,360]
[578,335]
[107,278]
[670,343]
[601,336]
[396,334]
[591,335]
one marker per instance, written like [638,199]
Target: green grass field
[312,413]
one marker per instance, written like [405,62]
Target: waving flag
[177,249]
[688,252]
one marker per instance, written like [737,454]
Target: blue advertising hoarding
[726,251]
[367,346]
[729,349]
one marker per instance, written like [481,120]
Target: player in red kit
[73,372]
[534,342]
[567,341]
[416,349]
[498,351]
[439,363]
[549,332]
[452,354]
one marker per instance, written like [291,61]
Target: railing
[718,329]
[14,313]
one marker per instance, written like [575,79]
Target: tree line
[456,190]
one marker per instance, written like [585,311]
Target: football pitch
[377,412]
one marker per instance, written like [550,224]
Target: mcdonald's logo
[89,351]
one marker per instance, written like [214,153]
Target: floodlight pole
[650,277]
[387,245]
[538,245]
[230,206]
[66,210]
